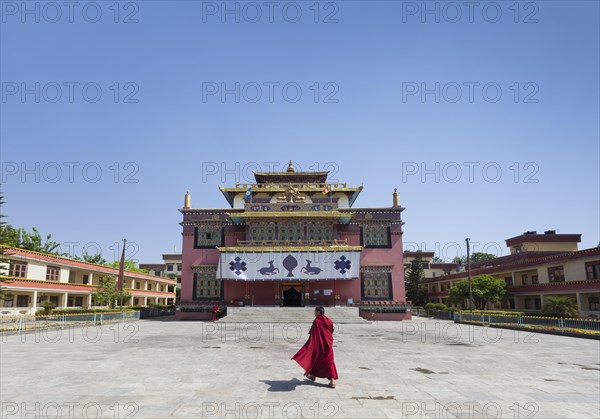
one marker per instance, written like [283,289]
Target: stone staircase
[345,315]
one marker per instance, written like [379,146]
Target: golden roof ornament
[187,200]
[290,168]
[396,199]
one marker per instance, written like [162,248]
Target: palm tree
[560,307]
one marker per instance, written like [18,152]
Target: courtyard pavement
[424,368]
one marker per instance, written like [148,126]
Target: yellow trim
[43,281]
[292,214]
[253,249]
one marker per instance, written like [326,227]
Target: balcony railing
[309,185]
[251,243]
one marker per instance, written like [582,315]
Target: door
[292,296]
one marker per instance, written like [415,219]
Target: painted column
[89,300]
[65,299]
[34,301]
[579,302]
[91,279]
[145,301]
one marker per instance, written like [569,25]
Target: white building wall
[36,270]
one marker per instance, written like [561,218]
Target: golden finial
[187,200]
[290,168]
[396,199]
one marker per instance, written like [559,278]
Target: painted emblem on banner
[310,270]
[342,264]
[237,265]
[290,263]
[269,270]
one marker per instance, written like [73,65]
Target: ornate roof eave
[373,210]
[227,194]
[274,188]
[283,249]
[355,195]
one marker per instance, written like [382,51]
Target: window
[537,303]
[291,231]
[319,231]
[206,284]
[52,273]
[170,267]
[207,238]
[262,232]
[376,283]
[179,268]
[509,281]
[18,269]
[518,249]
[86,279]
[534,279]
[556,274]
[524,279]
[594,303]
[157,273]
[375,235]
[8,301]
[22,301]
[527,303]
[592,270]
[137,286]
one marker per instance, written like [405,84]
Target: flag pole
[122,272]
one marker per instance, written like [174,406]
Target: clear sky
[111,111]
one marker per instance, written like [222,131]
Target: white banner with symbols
[289,266]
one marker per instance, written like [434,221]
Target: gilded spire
[290,168]
[396,199]
[187,200]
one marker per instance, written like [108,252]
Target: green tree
[97,259]
[560,307]
[475,257]
[485,289]
[416,291]
[107,293]
[437,259]
[129,265]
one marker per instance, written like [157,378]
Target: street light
[469,275]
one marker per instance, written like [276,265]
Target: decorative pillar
[578,297]
[65,298]
[89,300]
[90,278]
[187,201]
[34,302]
[395,199]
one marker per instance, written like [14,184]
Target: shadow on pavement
[290,385]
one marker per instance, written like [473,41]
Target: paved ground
[425,368]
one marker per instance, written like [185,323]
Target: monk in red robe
[316,356]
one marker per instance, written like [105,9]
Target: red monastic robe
[316,356]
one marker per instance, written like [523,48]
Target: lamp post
[469,275]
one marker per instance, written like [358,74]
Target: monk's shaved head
[320,310]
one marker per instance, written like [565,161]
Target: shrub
[560,307]
[439,306]
[48,306]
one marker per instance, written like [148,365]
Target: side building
[170,268]
[68,283]
[538,266]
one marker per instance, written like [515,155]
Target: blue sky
[159,123]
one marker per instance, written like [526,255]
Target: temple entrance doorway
[292,295]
